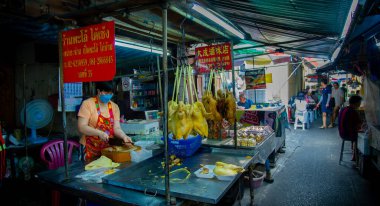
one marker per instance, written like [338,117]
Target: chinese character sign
[213,57]
[255,79]
[88,53]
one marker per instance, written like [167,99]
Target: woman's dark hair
[105,86]
[354,99]
[324,81]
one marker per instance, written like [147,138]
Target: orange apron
[94,144]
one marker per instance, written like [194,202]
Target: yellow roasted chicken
[172,108]
[225,169]
[181,122]
[199,116]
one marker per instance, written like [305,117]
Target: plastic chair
[52,153]
[55,151]
[301,114]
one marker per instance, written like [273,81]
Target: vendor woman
[99,120]
[244,102]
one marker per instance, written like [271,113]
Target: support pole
[165,117]
[24,102]
[62,93]
[251,188]
[159,81]
[234,92]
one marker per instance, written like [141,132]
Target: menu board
[255,79]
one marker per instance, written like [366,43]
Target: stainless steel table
[147,176]
[102,193]
[137,183]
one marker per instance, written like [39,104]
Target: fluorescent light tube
[141,47]
[217,20]
[131,46]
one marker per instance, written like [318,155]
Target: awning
[304,28]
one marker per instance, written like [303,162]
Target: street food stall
[180,167]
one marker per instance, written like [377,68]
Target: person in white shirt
[338,95]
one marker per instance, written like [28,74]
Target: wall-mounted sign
[88,53]
[255,79]
[213,57]
[73,96]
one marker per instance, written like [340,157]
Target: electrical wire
[51,125]
[262,34]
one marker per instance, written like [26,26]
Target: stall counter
[121,186]
[248,117]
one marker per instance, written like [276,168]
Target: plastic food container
[225,178]
[140,155]
[144,144]
[209,175]
[143,127]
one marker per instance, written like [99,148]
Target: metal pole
[24,99]
[62,93]
[251,188]
[159,81]
[165,117]
[234,92]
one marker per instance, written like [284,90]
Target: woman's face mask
[105,98]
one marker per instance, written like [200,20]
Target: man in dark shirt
[350,122]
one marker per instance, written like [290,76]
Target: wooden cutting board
[120,153]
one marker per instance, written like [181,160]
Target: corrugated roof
[317,23]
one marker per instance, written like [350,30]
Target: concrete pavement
[309,173]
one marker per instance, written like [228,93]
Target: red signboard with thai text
[213,57]
[88,53]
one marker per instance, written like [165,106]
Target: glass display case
[143,95]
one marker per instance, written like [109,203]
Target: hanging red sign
[213,57]
[88,53]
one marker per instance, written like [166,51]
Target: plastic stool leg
[341,152]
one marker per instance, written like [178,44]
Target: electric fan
[39,113]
